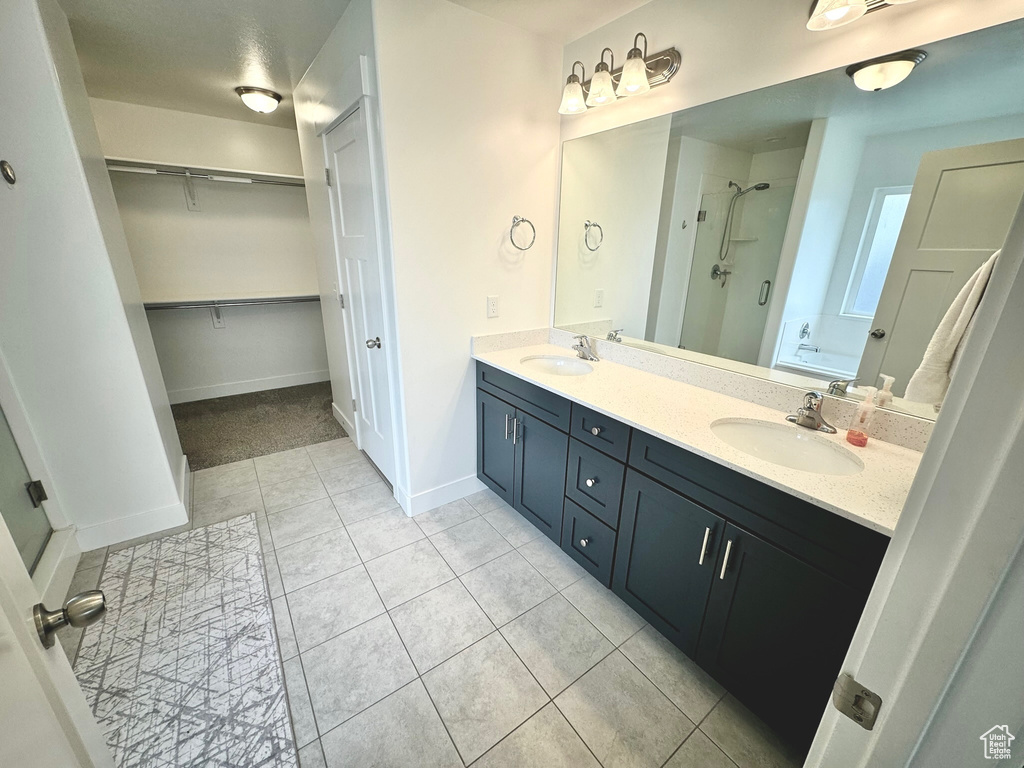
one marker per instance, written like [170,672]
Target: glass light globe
[878,77]
[572,98]
[829,14]
[259,99]
[634,76]
[602,90]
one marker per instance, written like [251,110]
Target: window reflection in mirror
[805,232]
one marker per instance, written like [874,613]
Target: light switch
[492,306]
[599,297]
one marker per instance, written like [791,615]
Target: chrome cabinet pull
[515,431]
[762,297]
[704,546]
[584,542]
[595,431]
[725,562]
[507,417]
[591,482]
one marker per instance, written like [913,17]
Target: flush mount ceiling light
[572,94]
[885,71]
[634,73]
[602,89]
[829,14]
[258,99]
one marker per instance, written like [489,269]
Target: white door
[357,247]
[960,211]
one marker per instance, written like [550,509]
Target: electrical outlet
[599,297]
[492,306]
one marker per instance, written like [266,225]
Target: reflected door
[706,296]
[23,516]
[960,211]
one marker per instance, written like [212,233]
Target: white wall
[72,327]
[615,179]
[470,131]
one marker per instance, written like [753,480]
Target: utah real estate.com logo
[997,742]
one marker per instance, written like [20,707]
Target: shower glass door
[27,523]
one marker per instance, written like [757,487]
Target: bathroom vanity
[759,573]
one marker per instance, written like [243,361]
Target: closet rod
[207,176]
[230,302]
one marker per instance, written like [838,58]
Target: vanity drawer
[588,541]
[601,432]
[544,405]
[594,481]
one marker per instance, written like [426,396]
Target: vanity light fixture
[885,71]
[602,89]
[572,95]
[899,2]
[829,14]
[259,99]
[633,80]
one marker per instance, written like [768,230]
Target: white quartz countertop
[682,414]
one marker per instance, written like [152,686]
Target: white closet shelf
[128,165]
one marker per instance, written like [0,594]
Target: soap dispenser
[885,394]
[860,425]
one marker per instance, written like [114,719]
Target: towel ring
[587,226]
[516,221]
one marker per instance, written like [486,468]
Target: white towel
[931,380]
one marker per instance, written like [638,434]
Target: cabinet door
[666,558]
[776,632]
[495,451]
[542,453]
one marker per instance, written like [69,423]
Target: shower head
[762,186]
[740,192]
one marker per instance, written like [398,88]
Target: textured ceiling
[190,54]
[561,20]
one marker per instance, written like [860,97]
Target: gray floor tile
[316,558]
[312,756]
[402,730]
[283,625]
[263,528]
[507,587]
[470,544]
[557,643]
[298,703]
[698,751]
[122,545]
[677,676]
[368,501]
[445,516]
[483,694]
[225,480]
[384,533]
[745,739]
[209,512]
[333,606]
[284,465]
[293,493]
[553,564]
[350,672]
[513,526]
[348,477]
[485,500]
[333,453]
[546,739]
[92,559]
[437,625]
[408,572]
[622,717]
[606,611]
[303,522]
[274,583]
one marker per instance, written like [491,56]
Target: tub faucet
[583,349]
[809,415]
[614,335]
[840,386]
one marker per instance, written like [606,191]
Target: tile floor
[461,636]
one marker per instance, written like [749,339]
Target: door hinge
[36,492]
[702,216]
[856,702]
[327,176]
[354,405]
[341,300]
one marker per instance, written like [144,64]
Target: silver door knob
[81,610]
[371,343]
[595,431]
[584,542]
[878,333]
[591,482]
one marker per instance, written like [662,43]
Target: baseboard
[131,527]
[57,566]
[346,424]
[185,484]
[242,387]
[435,497]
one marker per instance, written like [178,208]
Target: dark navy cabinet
[495,451]
[541,452]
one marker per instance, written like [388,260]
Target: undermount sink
[557,364]
[788,446]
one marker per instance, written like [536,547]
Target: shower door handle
[762,297]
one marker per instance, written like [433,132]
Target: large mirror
[808,232]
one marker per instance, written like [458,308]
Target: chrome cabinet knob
[371,343]
[595,431]
[81,610]
[584,542]
[591,482]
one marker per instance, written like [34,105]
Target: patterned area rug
[184,669]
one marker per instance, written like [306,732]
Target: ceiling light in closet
[258,99]
[633,80]
[885,71]
[829,14]
[572,95]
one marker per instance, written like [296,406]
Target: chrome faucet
[583,350]
[614,335]
[840,386]
[809,415]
